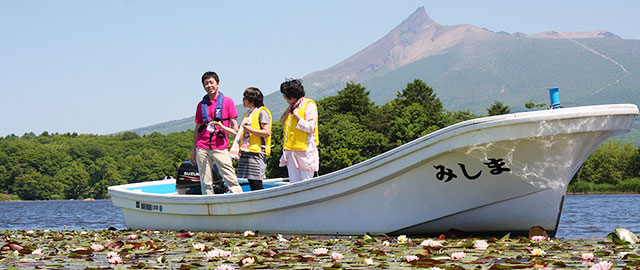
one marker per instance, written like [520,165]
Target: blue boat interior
[171,188]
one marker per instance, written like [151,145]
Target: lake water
[583,216]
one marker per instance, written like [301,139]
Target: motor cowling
[188,180]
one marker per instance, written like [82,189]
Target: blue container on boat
[555,97]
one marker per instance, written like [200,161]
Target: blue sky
[101,67]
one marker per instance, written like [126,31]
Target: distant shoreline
[3,199]
[600,193]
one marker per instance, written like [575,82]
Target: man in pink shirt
[214,123]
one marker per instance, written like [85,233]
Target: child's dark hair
[210,74]
[253,95]
[292,88]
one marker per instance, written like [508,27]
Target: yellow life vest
[255,141]
[294,138]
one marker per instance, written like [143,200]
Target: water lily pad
[626,235]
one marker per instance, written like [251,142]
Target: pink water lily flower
[458,255]
[225,267]
[320,251]
[603,265]
[97,247]
[431,243]
[411,258]
[588,256]
[112,254]
[539,238]
[217,253]
[115,260]
[133,237]
[337,256]
[480,244]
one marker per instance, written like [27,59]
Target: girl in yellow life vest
[254,139]
[300,125]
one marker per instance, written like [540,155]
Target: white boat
[496,174]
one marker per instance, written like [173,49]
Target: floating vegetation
[44,249]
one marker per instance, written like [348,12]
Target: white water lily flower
[248,261]
[538,252]
[26,260]
[368,261]
[198,246]
[248,233]
[402,239]
[386,243]
[282,239]
[37,252]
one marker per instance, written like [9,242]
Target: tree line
[352,129]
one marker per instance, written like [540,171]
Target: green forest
[352,129]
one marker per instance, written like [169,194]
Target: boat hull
[497,174]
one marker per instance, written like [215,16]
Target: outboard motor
[188,180]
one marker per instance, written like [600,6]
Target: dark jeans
[255,184]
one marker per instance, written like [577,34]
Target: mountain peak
[418,17]
[416,23]
[417,37]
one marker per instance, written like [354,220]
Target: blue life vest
[205,108]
